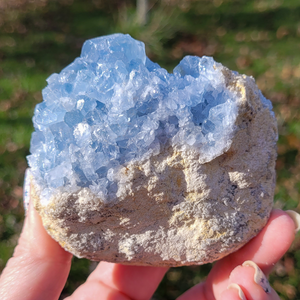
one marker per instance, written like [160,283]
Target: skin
[39,269]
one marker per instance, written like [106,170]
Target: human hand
[39,269]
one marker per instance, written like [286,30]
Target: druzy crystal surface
[113,105]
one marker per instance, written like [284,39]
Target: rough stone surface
[173,208]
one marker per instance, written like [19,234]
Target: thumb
[39,267]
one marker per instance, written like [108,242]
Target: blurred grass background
[256,37]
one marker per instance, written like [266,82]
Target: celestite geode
[132,164]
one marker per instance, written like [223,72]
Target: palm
[42,271]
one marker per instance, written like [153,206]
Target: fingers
[121,282]
[233,292]
[265,250]
[251,281]
[39,267]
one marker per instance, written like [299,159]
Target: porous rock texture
[173,209]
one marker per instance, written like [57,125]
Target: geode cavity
[132,164]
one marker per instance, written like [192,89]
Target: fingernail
[259,276]
[296,218]
[26,190]
[240,291]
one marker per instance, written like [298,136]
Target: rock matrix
[132,164]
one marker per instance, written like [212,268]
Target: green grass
[255,37]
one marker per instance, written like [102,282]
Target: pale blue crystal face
[112,105]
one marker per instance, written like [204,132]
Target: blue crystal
[73,118]
[62,135]
[113,105]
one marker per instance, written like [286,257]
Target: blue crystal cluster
[113,105]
